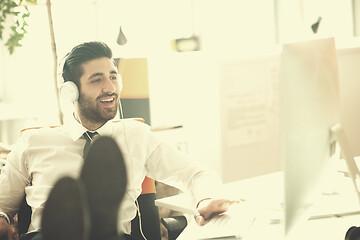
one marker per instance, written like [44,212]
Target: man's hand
[210,207]
[5,230]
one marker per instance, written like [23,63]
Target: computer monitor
[310,108]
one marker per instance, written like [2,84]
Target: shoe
[353,233]
[65,213]
[105,180]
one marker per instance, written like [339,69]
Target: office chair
[174,225]
[150,223]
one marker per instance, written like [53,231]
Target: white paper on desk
[234,224]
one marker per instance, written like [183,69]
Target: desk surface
[322,229]
[250,189]
[266,192]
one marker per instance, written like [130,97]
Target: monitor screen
[310,107]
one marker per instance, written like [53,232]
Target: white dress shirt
[44,155]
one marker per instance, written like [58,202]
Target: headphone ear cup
[69,92]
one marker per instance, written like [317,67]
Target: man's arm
[13,179]
[175,168]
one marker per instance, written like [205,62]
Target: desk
[322,229]
[269,188]
[251,189]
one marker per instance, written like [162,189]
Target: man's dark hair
[84,52]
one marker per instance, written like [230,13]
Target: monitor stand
[339,133]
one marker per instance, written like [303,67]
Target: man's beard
[91,111]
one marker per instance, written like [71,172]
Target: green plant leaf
[11,8]
[13,4]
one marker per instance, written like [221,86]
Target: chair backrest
[24,217]
[150,220]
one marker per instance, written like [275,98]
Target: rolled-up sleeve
[169,165]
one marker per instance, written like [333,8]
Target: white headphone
[70,92]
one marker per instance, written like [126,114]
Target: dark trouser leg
[104,177]
[65,214]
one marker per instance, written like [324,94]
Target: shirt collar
[76,130]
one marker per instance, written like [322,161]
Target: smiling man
[99,92]
[44,156]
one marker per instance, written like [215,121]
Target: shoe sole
[105,179]
[65,214]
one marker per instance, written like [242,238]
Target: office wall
[250,116]
[230,107]
[356,14]
[184,90]
[209,94]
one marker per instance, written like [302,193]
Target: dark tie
[89,136]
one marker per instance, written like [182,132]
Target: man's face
[99,91]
